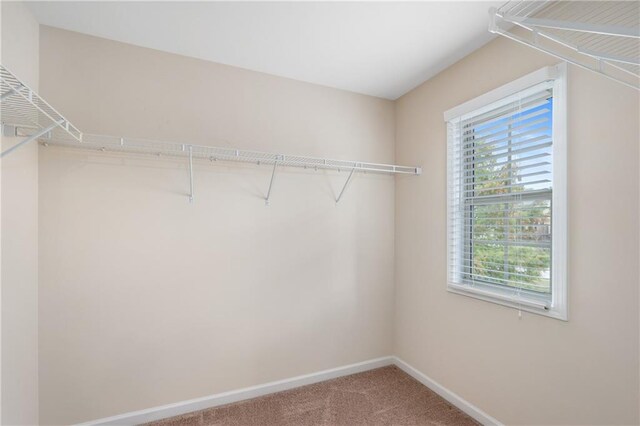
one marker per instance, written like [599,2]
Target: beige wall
[533,370]
[19,239]
[148,300]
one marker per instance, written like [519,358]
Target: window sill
[507,300]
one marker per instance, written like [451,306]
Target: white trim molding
[520,96]
[191,405]
[453,398]
[548,73]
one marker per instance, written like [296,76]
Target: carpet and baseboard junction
[384,396]
[382,391]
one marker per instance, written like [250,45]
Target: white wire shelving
[24,113]
[214,154]
[602,36]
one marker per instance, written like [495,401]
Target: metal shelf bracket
[273,175]
[31,138]
[345,184]
[191,174]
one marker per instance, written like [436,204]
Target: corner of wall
[19,239]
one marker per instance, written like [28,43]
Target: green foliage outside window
[509,239]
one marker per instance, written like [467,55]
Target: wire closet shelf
[170,149]
[602,36]
[25,114]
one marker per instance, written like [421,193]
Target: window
[507,195]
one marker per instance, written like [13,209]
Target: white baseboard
[176,409]
[170,410]
[453,398]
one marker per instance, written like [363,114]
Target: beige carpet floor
[385,396]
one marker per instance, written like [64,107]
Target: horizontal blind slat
[515,176]
[539,266]
[509,122]
[516,160]
[513,130]
[517,243]
[515,185]
[513,197]
[511,140]
[508,110]
[519,284]
[455,180]
[467,159]
[508,227]
[475,268]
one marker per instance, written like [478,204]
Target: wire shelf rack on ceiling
[602,36]
[24,113]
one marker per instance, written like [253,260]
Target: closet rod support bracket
[32,138]
[345,184]
[493,16]
[273,175]
[191,174]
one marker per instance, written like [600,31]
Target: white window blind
[501,199]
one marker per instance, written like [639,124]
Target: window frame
[557,307]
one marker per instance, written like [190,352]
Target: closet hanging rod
[170,149]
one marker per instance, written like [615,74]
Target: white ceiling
[382,49]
